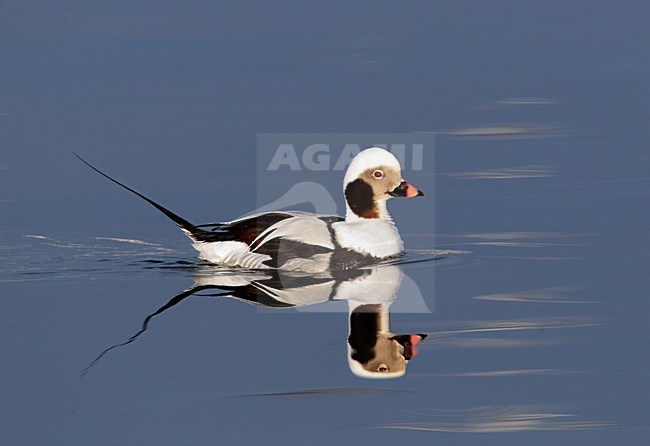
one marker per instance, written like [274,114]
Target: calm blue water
[535,307]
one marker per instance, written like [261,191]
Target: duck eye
[378,174]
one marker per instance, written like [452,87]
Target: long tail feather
[185,225]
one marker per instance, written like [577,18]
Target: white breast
[378,238]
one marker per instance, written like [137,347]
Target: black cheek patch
[360,198]
[364,326]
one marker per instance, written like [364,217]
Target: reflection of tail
[191,230]
[254,293]
[145,324]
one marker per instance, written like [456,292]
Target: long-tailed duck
[309,242]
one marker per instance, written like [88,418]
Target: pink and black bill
[407,190]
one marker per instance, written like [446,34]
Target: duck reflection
[373,350]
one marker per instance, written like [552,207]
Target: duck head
[373,177]
[375,352]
